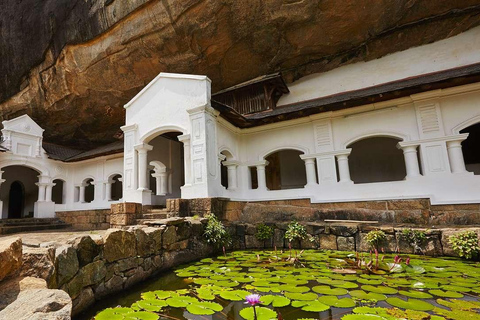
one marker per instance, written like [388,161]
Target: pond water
[310,284]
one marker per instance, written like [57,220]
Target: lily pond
[310,284]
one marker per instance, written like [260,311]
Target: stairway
[156,213]
[9,226]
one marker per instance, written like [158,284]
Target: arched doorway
[19,192]
[376,159]
[285,170]
[16,200]
[58,191]
[89,190]
[471,148]
[168,151]
[116,188]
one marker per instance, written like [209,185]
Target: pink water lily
[253,299]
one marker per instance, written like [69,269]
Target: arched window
[376,159]
[116,188]
[285,170]
[89,190]
[223,168]
[58,191]
[471,148]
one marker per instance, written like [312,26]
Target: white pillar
[142,150]
[185,139]
[1,202]
[41,191]
[81,197]
[231,174]
[161,182]
[310,170]
[261,177]
[343,168]
[48,193]
[411,159]
[455,156]
[108,191]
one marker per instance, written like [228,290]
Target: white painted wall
[460,50]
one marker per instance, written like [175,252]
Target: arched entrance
[167,151]
[16,200]
[19,192]
[285,170]
[376,159]
[471,149]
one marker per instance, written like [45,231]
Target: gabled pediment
[24,125]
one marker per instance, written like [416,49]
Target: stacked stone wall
[86,219]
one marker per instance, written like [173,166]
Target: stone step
[155,215]
[29,221]
[32,227]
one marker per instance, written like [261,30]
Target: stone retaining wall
[346,237]
[418,212]
[86,219]
[89,268]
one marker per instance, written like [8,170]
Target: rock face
[39,304]
[79,62]
[10,257]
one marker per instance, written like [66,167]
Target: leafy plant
[375,237]
[295,231]
[465,244]
[415,238]
[264,232]
[215,233]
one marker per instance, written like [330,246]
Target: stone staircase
[155,213]
[9,226]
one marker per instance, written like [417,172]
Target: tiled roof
[66,154]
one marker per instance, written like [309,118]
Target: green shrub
[215,232]
[415,238]
[465,244]
[375,237]
[295,231]
[264,232]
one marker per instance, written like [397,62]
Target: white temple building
[404,126]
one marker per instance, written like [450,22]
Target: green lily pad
[446,294]
[125,314]
[364,317]
[412,304]
[456,304]
[204,308]
[150,305]
[205,294]
[336,302]
[234,295]
[312,306]
[291,288]
[180,302]
[360,294]
[275,301]
[262,313]
[415,294]
[379,289]
[309,296]
[330,291]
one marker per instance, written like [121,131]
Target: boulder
[328,242]
[87,249]
[39,304]
[346,243]
[119,244]
[66,264]
[10,257]
[11,288]
[39,262]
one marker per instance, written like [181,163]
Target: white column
[108,191]
[185,139]
[261,177]
[41,191]
[231,174]
[48,193]
[142,150]
[81,197]
[455,156]
[161,182]
[310,170]
[343,168]
[411,159]
[1,202]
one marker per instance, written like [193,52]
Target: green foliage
[375,237]
[264,232]
[415,238]
[215,232]
[465,244]
[295,231]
